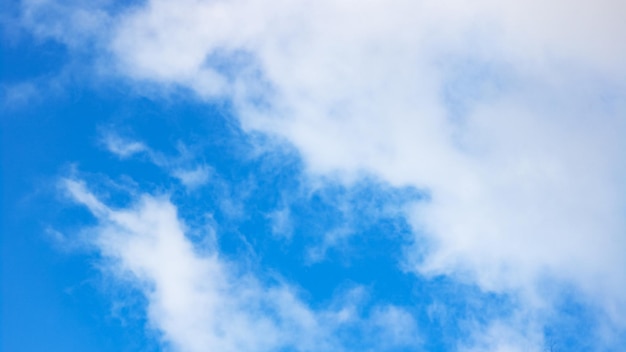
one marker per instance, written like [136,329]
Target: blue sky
[313,176]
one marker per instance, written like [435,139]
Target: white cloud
[506,337]
[526,185]
[193,299]
[334,238]
[395,327]
[200,301]
[122,147]
[281,223]
[190,174]
[193,178]
[74,23]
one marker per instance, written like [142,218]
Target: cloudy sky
[329,175]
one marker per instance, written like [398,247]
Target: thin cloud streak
[191,174]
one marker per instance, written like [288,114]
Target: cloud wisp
[190,174]
[196,299]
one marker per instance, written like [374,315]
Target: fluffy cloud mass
[510,115]
[504,112]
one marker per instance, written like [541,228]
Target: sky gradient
[323,175]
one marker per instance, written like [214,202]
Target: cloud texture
[199,301]
[510,115]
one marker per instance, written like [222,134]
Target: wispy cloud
[505,337]
[123,148]
[200,300]
[183,167]
[18,95]
[281,223]
[194,177]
